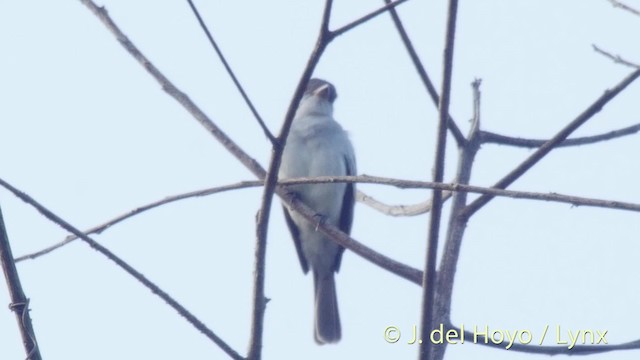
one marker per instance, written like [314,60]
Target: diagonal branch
[98,229]
[429,278]
[226,65]
[622,6]
[404,271]
[553,142]
[426,80]
[271,181]
[616,58]
[390,5]
[174,92]
[19,301]
[457,222]
[489,137]
[127,268]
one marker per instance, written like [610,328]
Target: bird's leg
[291,193]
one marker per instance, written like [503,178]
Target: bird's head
[318,98]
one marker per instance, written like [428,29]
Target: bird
[317,145]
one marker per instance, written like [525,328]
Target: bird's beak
[322,91]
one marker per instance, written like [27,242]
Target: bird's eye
[332,93]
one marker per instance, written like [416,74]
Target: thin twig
[593,109]
[489,137]
[398,210]
[19,301]
[174,92]
[226,65]
[127,268]
[422,72]
[167,200]
[616,58]
[429,279]
[628,8]
[371,15]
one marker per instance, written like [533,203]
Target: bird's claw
[321,220]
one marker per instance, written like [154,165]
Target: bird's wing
[295,234]
[348,202]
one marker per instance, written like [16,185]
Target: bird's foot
[293,195]
[320,220]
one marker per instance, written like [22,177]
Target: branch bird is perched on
[318,146]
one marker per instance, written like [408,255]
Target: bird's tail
[327,322]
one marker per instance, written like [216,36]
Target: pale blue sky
[87,132]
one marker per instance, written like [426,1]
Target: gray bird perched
[318,146]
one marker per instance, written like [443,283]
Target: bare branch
[457,222]
[428,316]
[593,109]
[628,8]
[174,92]
[127,268]
[271,181]
[362,20]
[475,122]
[167,200]
[385,262]
[224,62]
[398,210]
[489,137]
[456,187]
[431,89]
[616,58]
[19,301]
